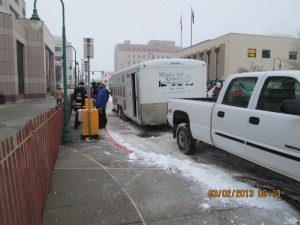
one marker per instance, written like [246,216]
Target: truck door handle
[254,120]
[221,114]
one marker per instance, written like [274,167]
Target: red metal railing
[26,169]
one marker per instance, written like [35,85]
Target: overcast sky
[112,21]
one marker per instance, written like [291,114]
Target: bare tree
[294,64]
[253,68]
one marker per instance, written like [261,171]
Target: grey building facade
[128,54]
[69,62]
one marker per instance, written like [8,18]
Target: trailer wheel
[185,140]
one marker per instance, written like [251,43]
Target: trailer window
[239,91]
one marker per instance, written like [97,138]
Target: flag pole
[192,14]
[181,32]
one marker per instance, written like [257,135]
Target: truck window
[275,90]
[239,91]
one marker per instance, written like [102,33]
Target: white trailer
[141,92]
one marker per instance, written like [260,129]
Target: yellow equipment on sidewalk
[90,121]
[86,103]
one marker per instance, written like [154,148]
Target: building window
[20,66]
[57,58]
[251,53]
[48,68]
[58,73]
[266,54]
[208,64]
[201,55]
[293,55]
[58,49]
[13,12]
[23,11]
[217,50]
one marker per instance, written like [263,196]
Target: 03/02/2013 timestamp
[243,193]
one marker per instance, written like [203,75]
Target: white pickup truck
[256,116]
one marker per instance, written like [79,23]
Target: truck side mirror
[290,107]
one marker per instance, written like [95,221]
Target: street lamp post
[75,63]
[36,22]
[84,70]
[75,76]
[279,67]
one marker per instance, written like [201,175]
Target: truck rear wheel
[185,140]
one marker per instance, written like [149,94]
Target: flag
[192,16]
[181,22]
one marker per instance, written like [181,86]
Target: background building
[26,56]
[58,63]
[30,67]
[128,54]
[233,53]
[17,8]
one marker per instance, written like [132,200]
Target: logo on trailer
[174,79]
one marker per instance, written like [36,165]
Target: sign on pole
[88,48]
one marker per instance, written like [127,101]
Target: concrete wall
[13,31]
[233,49]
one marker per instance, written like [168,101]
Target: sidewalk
[13,116]
[96,183]
[84,189]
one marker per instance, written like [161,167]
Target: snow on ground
[162,151]
[149,152]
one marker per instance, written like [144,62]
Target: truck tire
[185,140]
